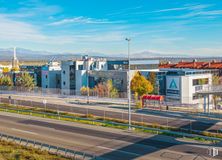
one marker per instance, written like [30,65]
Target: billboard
[173,85]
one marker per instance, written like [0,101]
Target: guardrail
[211,88]
[156,130]
[76,155]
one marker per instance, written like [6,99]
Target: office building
[51,75]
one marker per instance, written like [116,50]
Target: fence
[58,92]
[95,98]
[183,132]
[163,119]
[50,148]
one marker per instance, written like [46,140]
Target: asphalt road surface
[198,124]
[107,143]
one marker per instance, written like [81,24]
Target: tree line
[25,80]
[140,86]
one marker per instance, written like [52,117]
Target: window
[80,67]
[64,72]
[46,76]
[64,83]
[46,86]
[201,81]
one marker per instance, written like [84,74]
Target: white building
[74,73]
[182,85]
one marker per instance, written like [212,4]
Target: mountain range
[30,55]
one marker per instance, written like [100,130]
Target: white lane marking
[19,130]
[111,149]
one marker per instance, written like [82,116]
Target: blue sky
[180,27]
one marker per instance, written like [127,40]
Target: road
[107,143]
[179,121]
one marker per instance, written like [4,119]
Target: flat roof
[173,71]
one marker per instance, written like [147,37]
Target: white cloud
[83,20]
[31,9]
[192,11]
[17,31]
[187,7]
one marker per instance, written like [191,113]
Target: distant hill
[25,54]
[30,55]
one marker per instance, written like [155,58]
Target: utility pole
[128,81]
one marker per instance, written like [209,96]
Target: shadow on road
[173,146]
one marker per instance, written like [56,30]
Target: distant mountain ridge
[30,55]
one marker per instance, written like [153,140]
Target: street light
[128,84]
[87,78]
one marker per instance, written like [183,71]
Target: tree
[6,81]
[25,81]
[114,93]
[215,80]
[101,90]
[15,69]
[106,89]
[5,70]
[111,90]
[141,85]
[84,91]
[152,79]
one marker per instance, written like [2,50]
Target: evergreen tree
[25,81]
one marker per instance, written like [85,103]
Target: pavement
[107,143]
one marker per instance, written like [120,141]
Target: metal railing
[76,155]
[211,88]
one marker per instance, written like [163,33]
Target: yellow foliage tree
[141,85]
[84,90]
[15,69]
[5,70]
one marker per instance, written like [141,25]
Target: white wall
[188,89]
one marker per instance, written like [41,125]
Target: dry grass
[12,151]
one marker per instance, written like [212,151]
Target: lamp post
[87,78]
[128,84]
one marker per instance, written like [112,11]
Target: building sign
[173,86]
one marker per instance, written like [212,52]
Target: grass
[101,121]
[12,151]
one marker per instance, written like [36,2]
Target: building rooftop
[193,65]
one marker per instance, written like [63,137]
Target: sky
[182,27]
